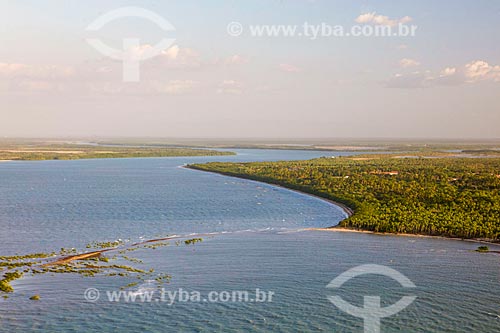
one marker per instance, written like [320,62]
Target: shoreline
[346,209]
[344,229]
[349,211]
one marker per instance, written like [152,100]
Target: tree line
[454,197]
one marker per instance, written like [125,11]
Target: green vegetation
[163,278]
[157,245]
[39,150]
[104,245]
[192,241]
[394,145]
[7,278]
[483,249]
[88,264]
[27,256]
[453,197]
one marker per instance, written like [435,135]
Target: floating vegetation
[163,278]
[483,249]
[27,256]
[35,298]
[7,278]
[192,241]
[104,245]
[134,260]
[130,285]
[157,245]
[67,251]
[88,264]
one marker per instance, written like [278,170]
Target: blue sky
[443,82]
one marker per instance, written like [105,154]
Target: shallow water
[257,241]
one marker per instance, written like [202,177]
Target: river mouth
[254,237]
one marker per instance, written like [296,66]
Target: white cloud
[10,69]
[178,87]
[289,68]
[38,86]
[480,71]
[448,71]
[177,57]
[172,52]
[373,18]
[473,72]
[230,87]
[406,62]
[17,70]
[236,60]
[409,81]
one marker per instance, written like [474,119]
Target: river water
[256,243]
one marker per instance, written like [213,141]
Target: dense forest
[454,197]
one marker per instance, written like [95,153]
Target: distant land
[32,150]
[331,144]
[81,148]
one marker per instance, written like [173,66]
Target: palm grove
[454,197]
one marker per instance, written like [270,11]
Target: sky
[218,78]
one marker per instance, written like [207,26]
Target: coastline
[344,229]
[349,212]
[346,209]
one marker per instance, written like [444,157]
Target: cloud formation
[406,62]
[17,70]
[373,18]
[480,71]
[178,87]
[473,72]
[236,60]
[230,87]
[289,68]
[175,71]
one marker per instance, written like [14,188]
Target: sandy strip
[43,151]
[68,259]
[95,254]
[342,229]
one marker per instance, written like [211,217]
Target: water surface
[257,242]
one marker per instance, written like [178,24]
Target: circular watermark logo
[91,294]
[234,29]
[371,312]
[130,55]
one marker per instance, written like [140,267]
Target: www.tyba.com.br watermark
[311,31]
[145,294]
